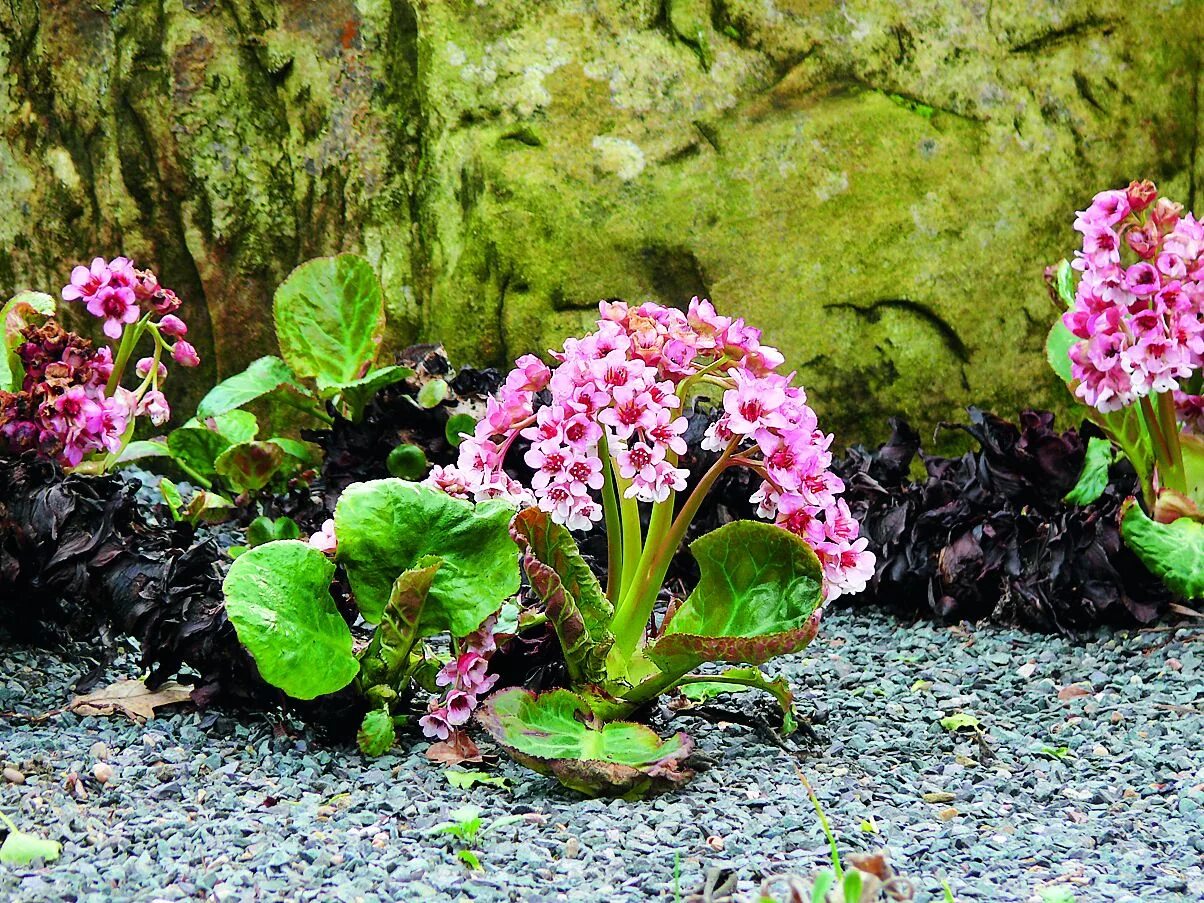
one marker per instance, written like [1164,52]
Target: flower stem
[1170,432]
[614,526]
[129,341]
[1157,441]
[636,606]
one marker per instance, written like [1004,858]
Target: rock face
[878,185]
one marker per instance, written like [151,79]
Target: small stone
[1174,664]
[13,776]
[99,751]
[947,814]
[571,848]
[103,772]
[1027,670]
[939,796]
[715,842]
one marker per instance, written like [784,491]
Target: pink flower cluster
[65,408]
[619,391]
[118,293]
[467,679]
[1139,306]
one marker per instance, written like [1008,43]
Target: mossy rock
[878,185]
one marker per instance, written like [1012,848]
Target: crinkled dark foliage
[358,451]
[987,535]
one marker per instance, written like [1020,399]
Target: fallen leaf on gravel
[939,796]
[962,721]
[20,848]
[131,698]
[1184,611]
[1074,691]
[455,750]
[465,779]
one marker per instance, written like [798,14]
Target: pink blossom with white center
[718,435]
[638,463]
[669,431]
[449,480]
[752,404]
[848,567]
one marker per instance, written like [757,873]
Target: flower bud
[143,367]
[173,326]
[1141,194]
[185,355]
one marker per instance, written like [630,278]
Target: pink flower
[171,325]
[184,354]
[633,409]
[143,367]
[154,405]
[116,305]
[751,405]
[530,374]
[324,540]
[86,281]
[435,724]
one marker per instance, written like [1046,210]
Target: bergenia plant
[605,433]
[1130,345]
[419,564]
[65,398]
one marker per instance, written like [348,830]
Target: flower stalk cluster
[465,680]
[71,405]
[606,434]
[1138,314]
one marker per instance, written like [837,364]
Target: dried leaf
[131,698]
[1074,691]
[455,750]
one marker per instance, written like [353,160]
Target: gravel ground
[1100,791]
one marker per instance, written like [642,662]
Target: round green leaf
[385,527]
[330,318]
[1172,552]
[433,393]
[407,462]
[249,466]
[554,733]
[758,597]
[459,426]
[278,599]
[1057,350]
[376,734]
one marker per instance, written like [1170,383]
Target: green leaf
[470,859]
[466,780]
[1094,478]
[307,454]
[433,393]
[1057,350]
[330,318]
[851,886]
[263,530]
[278,599]
[740,680]
[458,426]
[758,597]
[1174,552]
[207,507]
[1064,282]
[407,462]
[262,376]
[235,426]
[962,721]
[354,396]
[249,466]
[404,622]
[23,849]
[576,607]
[376,734]
[386,526]
[824,881]
[23,309]
[171,495]
[148,448]
[197,448]
[465,823]
[555,734]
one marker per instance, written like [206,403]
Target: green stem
[633,531]
[614,526]
[1170,431]
[636,606]
[129,341]
[1157,441]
